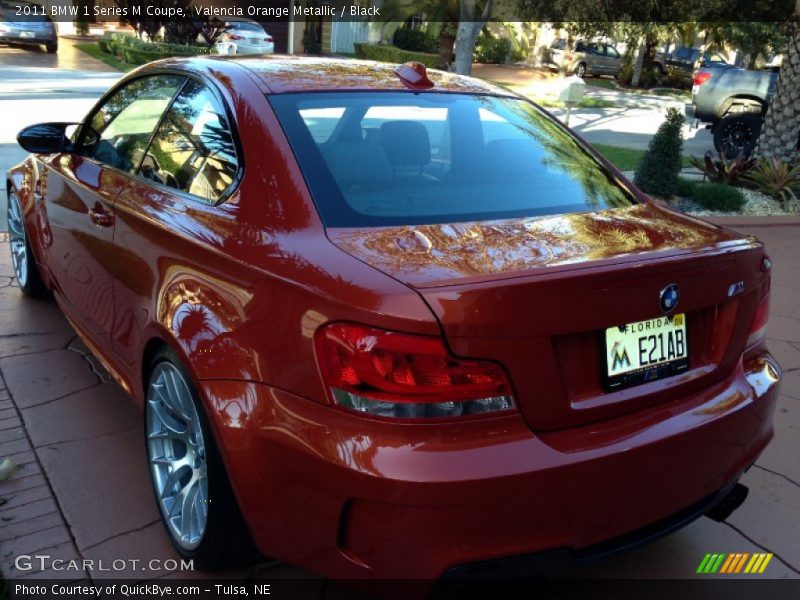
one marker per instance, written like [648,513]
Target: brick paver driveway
[84,492]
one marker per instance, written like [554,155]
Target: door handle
[100,217]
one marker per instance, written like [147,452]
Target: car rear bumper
[254,49]
[353,498]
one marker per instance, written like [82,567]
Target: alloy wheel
[177,453]
[17,239]
[736,138]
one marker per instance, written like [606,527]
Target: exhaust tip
[729,503]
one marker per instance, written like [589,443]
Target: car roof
[285,74]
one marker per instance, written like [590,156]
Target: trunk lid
[538,294]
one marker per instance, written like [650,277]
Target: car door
[189,167]
[595,61]
[79,193]
[613,60]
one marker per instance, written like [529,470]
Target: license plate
[27,34]
[646,350]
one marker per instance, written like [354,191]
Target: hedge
[392,54]
[134,51]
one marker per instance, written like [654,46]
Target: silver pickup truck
[732,103]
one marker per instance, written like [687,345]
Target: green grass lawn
[675,93]
[603,83]
[585,102]
[93,50]
[626,159]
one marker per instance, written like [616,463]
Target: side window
[193,149]
[127,120]
[612,52]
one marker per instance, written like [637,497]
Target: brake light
[268,39]
[389,374]
[568,55]
[233,36]
[758,328]
[701,77]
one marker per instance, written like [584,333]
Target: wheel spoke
[177,457]
[16,228]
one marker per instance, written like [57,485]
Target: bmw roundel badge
[668,298]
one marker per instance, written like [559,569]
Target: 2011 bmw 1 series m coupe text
[404,321]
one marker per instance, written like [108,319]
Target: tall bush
[658,172]
[415,40]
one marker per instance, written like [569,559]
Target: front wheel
[737,134]
[580,70]
[197,505]
[25,269]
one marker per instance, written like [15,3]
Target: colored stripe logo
[737,562]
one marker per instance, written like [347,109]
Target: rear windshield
[402,158]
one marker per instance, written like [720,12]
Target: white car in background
[246,37]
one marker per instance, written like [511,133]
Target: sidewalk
[84,492]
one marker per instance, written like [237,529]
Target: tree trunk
[446,43]
[779,134]
[637,63]
[466,38]
[469,26]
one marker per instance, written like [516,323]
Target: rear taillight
[568,56]
[758,328]
[233,36]
[701,77]
[268,39]
[389,374]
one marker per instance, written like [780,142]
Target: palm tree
[779,135]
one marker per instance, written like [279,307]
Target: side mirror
[47,138]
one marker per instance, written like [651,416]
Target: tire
[661,68]
[26,270]
[580,70]
[737,134]
[51,47]
[185,466]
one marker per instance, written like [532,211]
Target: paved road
[631,123]
[36,87]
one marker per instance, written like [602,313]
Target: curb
[752,221]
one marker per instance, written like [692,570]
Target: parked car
[684,59]
[392,323]
[584,58]
[733,103]
[248,37]
[34,29]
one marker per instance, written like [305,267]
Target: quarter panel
[238,289]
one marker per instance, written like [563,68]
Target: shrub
[392,54]
[415,40]
[492,50]
[722,169]
[685,188]
[718,196]
[134,51]
[677,78]
[657,174]
[776,178]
